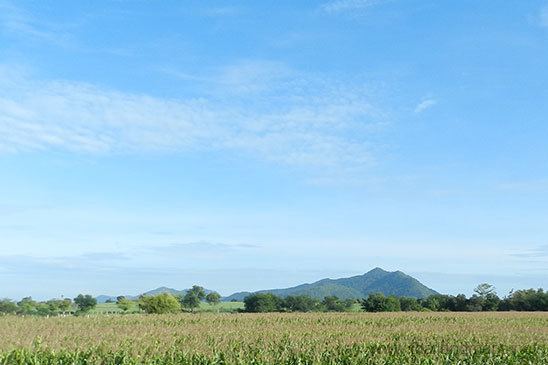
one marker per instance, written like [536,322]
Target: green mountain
[375,281]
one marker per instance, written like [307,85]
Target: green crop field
[282,338]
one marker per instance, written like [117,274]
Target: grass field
[314,338]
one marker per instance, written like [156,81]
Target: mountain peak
[377,270]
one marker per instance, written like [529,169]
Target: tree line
[484,299]
[53,307]
[84,304]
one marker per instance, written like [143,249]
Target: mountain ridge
[376,280]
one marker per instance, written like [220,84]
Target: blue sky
[248,145]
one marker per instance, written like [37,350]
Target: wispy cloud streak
[338,6]
[425,105]
[305,125]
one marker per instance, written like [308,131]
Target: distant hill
[375,281]
[160,290]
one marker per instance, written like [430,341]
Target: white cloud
[425,105]
[337,6]
[266,115]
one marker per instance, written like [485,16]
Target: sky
[248,145]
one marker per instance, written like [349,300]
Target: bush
[262,303]
[160,304]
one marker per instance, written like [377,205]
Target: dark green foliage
[27,306]
[85,303]
[300,303]
[334,304]
[484,300]
[526,300]
[262,303]
[8,306]
[193,297]
[378,302]
[409,304]
[159,304]
[213,298]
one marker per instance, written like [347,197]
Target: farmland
[278,338]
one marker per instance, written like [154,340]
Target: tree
[56,307]
[527,300]
[378,302]
[27,306]
[409,304]
[191,300]
[300,303]
[85,303]
[198,291]
[159,304]
[193,297]
[485,289]
[431,303]
[262,302]
[213,298]
[65,305]
[8,306]
[123,303]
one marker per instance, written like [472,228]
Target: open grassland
[314,338]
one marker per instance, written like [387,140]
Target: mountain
[163,290]
[375,281]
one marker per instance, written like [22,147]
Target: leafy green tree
[378,302]
[198,291]
[191,300]
[124,304]
[460,303]
[334,304]
[526,300]
[193,297]
[213,298]
[410,304]
[57,306]
[8,306]
[484,289]
[85,303]
[159,304]
[65,305]
[486,298]
[300,303]
[431,303]
[27,306]
[262,303]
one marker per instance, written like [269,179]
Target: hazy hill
[160,290]
[375,281]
